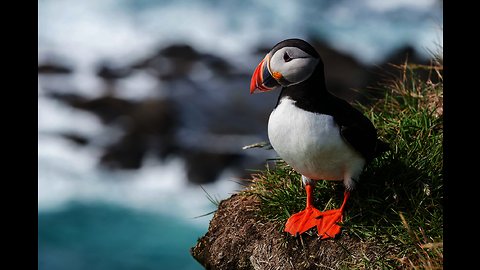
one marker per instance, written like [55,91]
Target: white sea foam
[124,30]
[139,86]
[69,173]
[382,6]
[56,117]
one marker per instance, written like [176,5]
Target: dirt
[238,238]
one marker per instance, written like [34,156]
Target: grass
[399,200]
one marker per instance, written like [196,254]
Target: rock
[68,98]
[153,117]
[108,108]
[180,51]
[217,64]
[109,71]
[150,127]
[204,167]
[238,238]
[128,153]
[172,62]
[76,138]
[53,68]
[176,62]
[155,122]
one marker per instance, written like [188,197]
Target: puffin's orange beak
[262,80]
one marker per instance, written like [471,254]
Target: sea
[93,218]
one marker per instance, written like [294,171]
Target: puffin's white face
[283,67]
[291,65]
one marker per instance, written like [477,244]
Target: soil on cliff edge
[238,238]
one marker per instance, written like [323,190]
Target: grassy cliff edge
[394,218]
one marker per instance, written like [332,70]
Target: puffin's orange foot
[302,221]
[327,223]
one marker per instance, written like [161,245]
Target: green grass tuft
[398,202]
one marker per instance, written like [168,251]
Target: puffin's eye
[286,57]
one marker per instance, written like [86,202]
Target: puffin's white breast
[311,143]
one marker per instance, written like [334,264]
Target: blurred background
[144,106]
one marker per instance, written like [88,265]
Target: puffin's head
[290,62]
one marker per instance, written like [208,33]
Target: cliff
[393,220]
[238,238]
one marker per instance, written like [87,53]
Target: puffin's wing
[356,129]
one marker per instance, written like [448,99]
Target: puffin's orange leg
[327,226]
[306,219]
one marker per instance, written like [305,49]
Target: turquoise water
[102,236]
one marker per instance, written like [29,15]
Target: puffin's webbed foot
[302,221]
[327,222]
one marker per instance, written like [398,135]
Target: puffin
[321,136]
